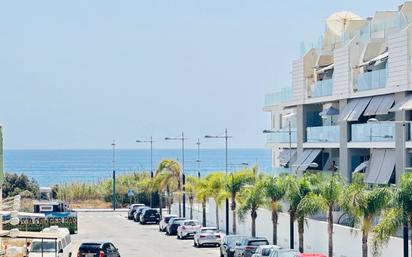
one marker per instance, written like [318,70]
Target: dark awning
[329,112]
[305,159]
[379,105]
[354,109]
[381,166]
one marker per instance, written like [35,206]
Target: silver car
[265,250]
[206,236]
[283,253]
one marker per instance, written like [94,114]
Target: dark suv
[98,249]
[139,210]
[132,210]
[247,247]
[150,215]
[227,247]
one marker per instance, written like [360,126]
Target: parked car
[227,247]
[163,222]
[51,248]
[206,236]
[139,210]
[132,209]
[283,253]
[188,228]
[310,255]
[248,246]
[98,249]
[173,224]
[150,215]
[265,250]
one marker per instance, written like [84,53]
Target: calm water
[56,166]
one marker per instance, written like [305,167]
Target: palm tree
[399,214]
[202,195]
[326,200]
[296,190]
[274,189]
[216,186]
[363,204]
[169,172]
[251,198]
[235,182]
[190,190]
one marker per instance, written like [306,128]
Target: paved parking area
[133,239]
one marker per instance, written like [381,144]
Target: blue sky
[77,74]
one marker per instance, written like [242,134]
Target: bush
[17,183]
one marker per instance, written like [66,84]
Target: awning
[354,109]
[379,105]
[405,105]
[323,69]
[305,159]
[329,112]
[378,59]
[381,166]
[361,167]
[286,154]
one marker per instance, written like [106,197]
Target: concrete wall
[347,241]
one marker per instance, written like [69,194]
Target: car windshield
[167,219]
[177,221]
[191,223]
[48,246]
[209,231]
[258,242]
[266,251]
[150,212]
[231,240]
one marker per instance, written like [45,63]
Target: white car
[164,221]
[283,253]
[51,248]
[206,236]
[188,228]
[264,250]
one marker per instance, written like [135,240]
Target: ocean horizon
[54,166]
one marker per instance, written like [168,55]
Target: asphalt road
[133,239]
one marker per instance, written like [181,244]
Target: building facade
[349,104]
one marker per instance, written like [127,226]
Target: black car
[136,214]
[173,224]
[132,210]
[150,215]
[98,249]
[227,247]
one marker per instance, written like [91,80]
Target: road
[133,239]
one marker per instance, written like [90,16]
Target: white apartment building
[350,103]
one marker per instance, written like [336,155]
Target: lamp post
[226,137]
[198,157]
[182,138]
[151,163]
[114,176]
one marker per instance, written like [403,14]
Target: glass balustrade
[281,136]
[283,95]
[383,131]
[322,134]
[322,88]
[371,80]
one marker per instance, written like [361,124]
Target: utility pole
[114,176]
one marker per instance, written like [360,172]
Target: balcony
[371,80]
[281,136]
[281,96]
[322,134]
[383,131]
[322,88]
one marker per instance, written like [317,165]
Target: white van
[51,248]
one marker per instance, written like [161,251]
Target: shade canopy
[330,111]
[380,105]
[381,166]
[339,22]
[361,167]
[305,159]
[377,59]
[354,109]
[403,105]
[286,155]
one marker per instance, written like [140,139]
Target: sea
[49,167]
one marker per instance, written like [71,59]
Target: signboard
[37,222]
[130,193]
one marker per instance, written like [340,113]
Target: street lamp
[226,137]
[288,117]
[181,138]
[114,177]
[151,163]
